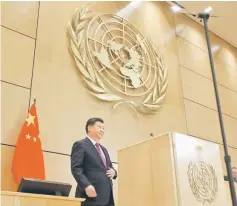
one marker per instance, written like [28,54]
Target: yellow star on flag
[30,120]
[34,139]
[28,136]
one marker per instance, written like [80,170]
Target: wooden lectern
[171,170]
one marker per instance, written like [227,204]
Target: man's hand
[111,173]
[90,191]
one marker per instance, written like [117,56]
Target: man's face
[234,171]
[97,130]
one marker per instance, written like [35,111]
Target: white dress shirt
[94,142]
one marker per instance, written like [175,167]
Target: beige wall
[39,53]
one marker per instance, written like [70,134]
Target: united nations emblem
[203,181]
[117,63]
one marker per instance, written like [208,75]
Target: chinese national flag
[28,159]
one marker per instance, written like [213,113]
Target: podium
[171,170]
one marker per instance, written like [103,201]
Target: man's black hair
[92,121]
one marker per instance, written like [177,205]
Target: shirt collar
[93,141]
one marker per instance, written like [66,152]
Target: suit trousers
[95,205]
[109,204]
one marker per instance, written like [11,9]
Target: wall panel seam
[17,32]
[215,58]
[208,78]
[209,108]
[51,152]
[17,85]
[64,154]
[180,72]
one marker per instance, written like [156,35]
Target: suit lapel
[95,152]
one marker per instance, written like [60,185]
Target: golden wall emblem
[118,64]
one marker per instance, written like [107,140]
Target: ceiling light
[175,8]
[208,9]
[215,48]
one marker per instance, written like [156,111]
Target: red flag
[28,159]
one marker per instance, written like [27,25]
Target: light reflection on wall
[127,11]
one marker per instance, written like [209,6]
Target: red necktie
[101,155]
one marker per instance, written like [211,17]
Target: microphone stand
[205,17]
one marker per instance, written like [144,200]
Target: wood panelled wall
[36,63]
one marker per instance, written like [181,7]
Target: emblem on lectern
[203,181]
[117,62]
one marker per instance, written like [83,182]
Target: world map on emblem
[121,55]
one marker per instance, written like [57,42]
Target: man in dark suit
[234,174]
[92,168]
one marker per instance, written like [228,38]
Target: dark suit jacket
[88,169]
[226,178]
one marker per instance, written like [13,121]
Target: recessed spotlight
[175,8]
[208,9]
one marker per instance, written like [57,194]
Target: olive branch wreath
[153,100]
[210,186]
